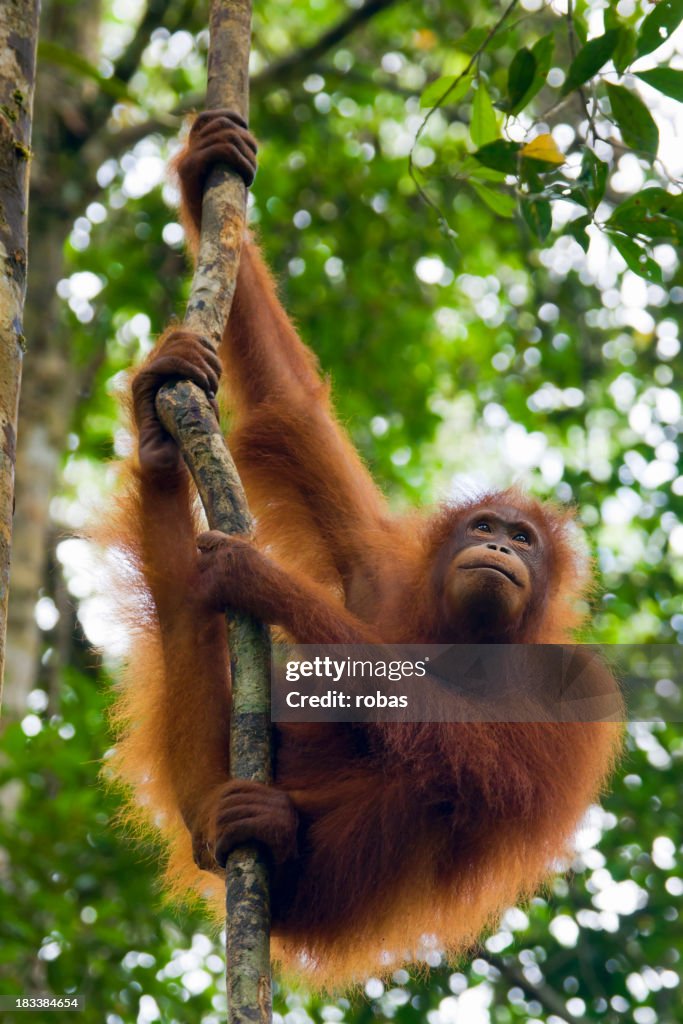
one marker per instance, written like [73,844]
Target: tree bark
[186,413]
[18,42]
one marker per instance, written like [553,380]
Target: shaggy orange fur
[408,834]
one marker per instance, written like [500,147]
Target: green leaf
[529,172]
[590,59]
[500,202]
[636,124]
[611,17]
[652,213]
[659,24]
[53,53]
[484,126]
[580,27]
[593,177]
[636,257]
[666,80]
[577,229]
[435,90]
[537,214]
[470,168]
[520,78]
[543,52]
[500,155]
[625,50]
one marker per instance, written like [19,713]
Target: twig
[356,77]
[581,91]
[440,102]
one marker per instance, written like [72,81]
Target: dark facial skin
[496,567]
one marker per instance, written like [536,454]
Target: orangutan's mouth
[496,568]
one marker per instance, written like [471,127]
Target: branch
[286,66]
[129,61]
[126,65]
[98,147]
[186,413]
[356,77]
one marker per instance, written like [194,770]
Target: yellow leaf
[543,147]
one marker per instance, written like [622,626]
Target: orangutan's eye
[522,538]
[484,527]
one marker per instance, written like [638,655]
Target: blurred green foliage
[467,344]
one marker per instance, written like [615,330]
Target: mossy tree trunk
[18,42]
